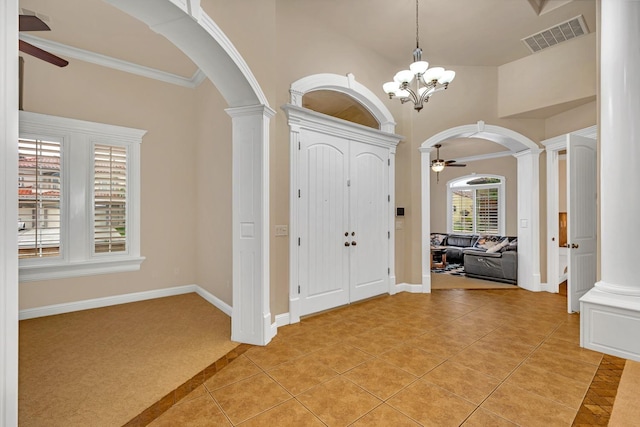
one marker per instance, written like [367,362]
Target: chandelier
[427,80]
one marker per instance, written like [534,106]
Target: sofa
[499,264]
[483,256]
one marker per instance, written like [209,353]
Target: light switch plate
[282,230]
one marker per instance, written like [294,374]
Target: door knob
[353,233]
[347,244]
[574,246]
[346,234]
[353,243]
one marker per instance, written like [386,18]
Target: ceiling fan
[33,23]
[438,165]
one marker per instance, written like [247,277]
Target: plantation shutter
[462,211]
[110,198]
[487,221]
[39,193]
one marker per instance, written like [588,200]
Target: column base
[610,323]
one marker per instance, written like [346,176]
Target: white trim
[489,156]
[50,310]
[202,41]
[407,287]
[214,300]
[113,63]
[348,86]
[502,220]
[35,272]
[8,213]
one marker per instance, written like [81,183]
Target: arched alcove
[527,154]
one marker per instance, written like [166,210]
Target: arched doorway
[188,27]
[527,154]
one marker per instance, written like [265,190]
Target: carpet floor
[101,367]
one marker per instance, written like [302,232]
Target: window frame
[501,186]
[78,139]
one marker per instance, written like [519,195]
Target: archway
[188,27]
[527,154]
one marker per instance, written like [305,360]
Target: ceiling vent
[562,32]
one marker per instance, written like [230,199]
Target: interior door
[323,209]
[369,213]
[581,211]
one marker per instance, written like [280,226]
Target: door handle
[574,246]
[347,244]
[353,243]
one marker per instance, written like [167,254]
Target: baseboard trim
[50,310]
[214,300]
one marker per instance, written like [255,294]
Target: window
[476,205]
[78,198]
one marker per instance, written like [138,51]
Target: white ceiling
[452,32]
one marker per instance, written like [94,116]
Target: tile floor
[450,358]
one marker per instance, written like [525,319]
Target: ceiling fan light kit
[438,165]
[427,80]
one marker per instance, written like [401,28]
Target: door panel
[323,261]
[369,212]
[582,225]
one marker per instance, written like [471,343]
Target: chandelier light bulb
[404,76]
[419,67]
[391,87]
[447,77]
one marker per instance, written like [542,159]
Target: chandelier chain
[417,27]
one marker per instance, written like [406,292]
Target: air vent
[562,32]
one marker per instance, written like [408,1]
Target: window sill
[33,273]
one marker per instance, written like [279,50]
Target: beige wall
[168,210]
[213,194]
[562,74]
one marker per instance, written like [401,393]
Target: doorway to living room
[527,155]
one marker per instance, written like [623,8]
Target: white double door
[343,251]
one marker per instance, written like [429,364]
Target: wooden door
[582,225]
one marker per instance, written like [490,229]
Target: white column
[251,315]
[529,219]
[8,213]
[425,179]
[610,319]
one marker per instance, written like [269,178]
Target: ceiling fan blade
[42,54]
[456,165]
[32,23]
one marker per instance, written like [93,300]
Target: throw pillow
[486,242]
[437,239]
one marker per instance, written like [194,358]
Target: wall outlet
[282,230]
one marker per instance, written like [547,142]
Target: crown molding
[114,63]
